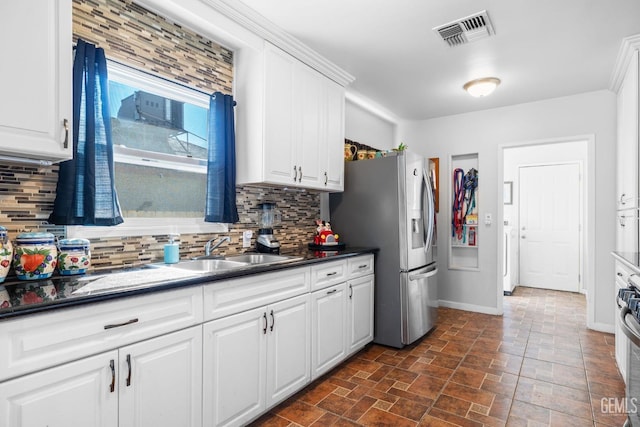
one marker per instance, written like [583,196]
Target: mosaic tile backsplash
[135,36]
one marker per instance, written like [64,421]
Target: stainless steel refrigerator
[388,203]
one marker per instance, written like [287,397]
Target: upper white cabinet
[627,144]
[302,134]
[35,80]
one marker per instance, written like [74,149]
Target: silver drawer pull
[332,273]
[363,266]
[332,291]
[619,274]
[117,325]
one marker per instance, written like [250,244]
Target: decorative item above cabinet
[35,110]
[296,135]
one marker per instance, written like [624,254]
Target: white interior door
[550,216]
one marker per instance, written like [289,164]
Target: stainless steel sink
[255,259]
[206,265]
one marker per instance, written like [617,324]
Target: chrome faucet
[208,247]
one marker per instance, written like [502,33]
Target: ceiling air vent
[465,30]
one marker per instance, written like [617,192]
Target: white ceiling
[541,48]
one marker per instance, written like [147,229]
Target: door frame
[581,285]
[589,209]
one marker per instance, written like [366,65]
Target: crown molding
[628,46]
[249,19]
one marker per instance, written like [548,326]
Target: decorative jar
[35,256]
[6,253]
[74,256]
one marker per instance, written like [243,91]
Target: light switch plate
[488,219]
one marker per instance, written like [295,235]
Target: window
[159,133]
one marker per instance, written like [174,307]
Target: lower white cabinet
[328,320]
[359,313]
[254,359]
[152,383]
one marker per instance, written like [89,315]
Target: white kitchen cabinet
[255,359]
[627,142]
[627,230]
[154,383]
[622,343]
[160,381]
[303,129]
[328,320]
[35,112]
[359,313]
[77,394]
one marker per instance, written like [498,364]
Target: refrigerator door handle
[422,276]
[428,211]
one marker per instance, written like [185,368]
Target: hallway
[538,365]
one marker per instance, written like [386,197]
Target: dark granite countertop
[63,291]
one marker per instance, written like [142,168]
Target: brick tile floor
[538,365]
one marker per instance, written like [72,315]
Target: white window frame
[140,226]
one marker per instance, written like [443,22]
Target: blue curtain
[85,194]
[221,163]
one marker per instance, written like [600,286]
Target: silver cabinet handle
[332,291]
[118,325]
[299,173]
[350,291]
[264,329]
[65,124]
[295,174]
[326,178]
[129,374]
[333,273]
[273,321]
[363,266]
[112,386]
[622,201]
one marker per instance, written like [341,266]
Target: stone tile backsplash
[140,38]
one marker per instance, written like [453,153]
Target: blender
[269,216]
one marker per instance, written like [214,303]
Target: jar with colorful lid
[74,256]
[35,256]
[6,253]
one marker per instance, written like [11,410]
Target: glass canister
[6,253]
[74,256]
[35,256]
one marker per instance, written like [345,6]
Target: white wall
[367,128]
[485,132]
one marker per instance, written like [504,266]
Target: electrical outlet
[246,238]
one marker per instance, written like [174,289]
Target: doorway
[550,217]
[548,197]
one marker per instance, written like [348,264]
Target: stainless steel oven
[630,324]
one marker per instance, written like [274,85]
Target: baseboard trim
[469,307]
[602,327]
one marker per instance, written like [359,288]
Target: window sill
[148,227]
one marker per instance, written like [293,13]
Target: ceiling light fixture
[481,87]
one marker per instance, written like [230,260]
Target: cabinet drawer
[43,340]
[360,266]
[327,274]
[234,296]
[622,274]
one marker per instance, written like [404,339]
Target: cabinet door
[627,143]
[161,381]
[334,131]
[310,104]
[627,230]
[279,144]
[288,348]
[328,318]
[35,112]
[77,394]
[359,313]
[234,368]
